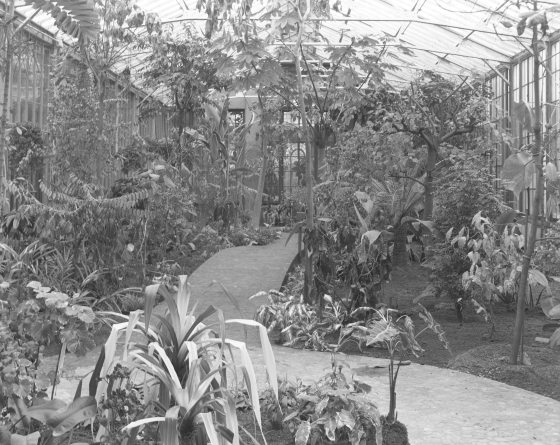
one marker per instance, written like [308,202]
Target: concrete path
[438,406]
[242,271]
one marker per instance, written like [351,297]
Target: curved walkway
[438,406]
[241,272]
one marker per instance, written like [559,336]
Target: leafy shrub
[27,149]
[298,324]
[547,257]
[45,315]
[495,261]
[32,316]
[276,408]
[466,187]
[251,237]
[448,264]
[73,129]
[334,409]
[125,405]
[294,283]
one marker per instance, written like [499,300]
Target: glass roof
[462,38]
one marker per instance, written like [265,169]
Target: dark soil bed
[274,436]
[472,350]
[395,434]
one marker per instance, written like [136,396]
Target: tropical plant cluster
[382,177]
[176,376]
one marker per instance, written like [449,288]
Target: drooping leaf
[551,307]
[330,428]
[45,410]
[302,433]
[554,341]
[521,26]
[268,354]
[18,439]
[538,277]
[150,293]
[518,172]
[371,236]
[365,201]
[551,171]
[94,380]
[79,410]
[448,234]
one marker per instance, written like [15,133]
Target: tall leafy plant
[186,364]
[438,112]
[397,333]
[535,20]
[401,201]
[80,21]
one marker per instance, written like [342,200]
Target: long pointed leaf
[141,422]
[183,297]
[94,380]
[268,353]
[133,319]
[172,335]
[79,410]
[210,310]
[150,294]
[78,392]
[209,427]
[251,378]
[110,349]
[45,410]
[167,362]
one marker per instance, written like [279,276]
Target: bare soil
[472,349]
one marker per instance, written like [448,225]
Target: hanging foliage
[77,18]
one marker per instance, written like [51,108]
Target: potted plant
[396,332]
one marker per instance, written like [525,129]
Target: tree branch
[455,90]
[311,78]
[457,132]
[335,68]
[408,177]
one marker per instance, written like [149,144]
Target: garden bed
[472,351]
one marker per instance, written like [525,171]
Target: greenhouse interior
[269,221]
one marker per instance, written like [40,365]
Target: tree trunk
[100,127]
[8,30]
[309,158]
[429,182]
[256,217]
[400,257]
[539,192]
[316,161]
[391,415]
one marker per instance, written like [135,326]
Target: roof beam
[368,20]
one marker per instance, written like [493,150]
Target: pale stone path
[438,406]
[242,271]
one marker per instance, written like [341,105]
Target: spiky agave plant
[188,361]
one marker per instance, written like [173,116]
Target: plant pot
[394,433]
[197,436]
